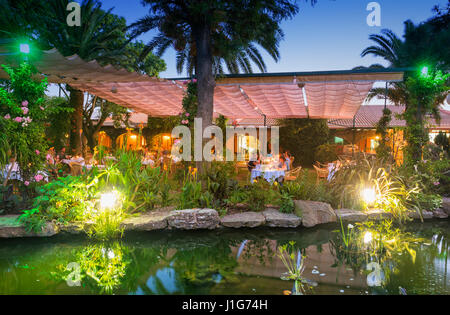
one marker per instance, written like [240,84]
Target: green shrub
[64,200]
[307,187]
[219,177]
[302,136]
[258,195]
[191,192]
[326,153]
[236,196]
[286,204]
[428,202]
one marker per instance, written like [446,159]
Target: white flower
[350,226]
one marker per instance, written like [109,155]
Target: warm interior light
[133,136]
[369,195]
[367,237]
[166,137]
[108,200]
[24,48]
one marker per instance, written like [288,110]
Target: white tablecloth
[268,175]
[78,160]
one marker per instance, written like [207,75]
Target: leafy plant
[295,266]
[64,200]
[191,192]
[219,181]
[257,195]
[326,153]
[286,204]
[302,137]
[307,187]
[107,221]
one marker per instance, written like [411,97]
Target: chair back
[76,169]
[321,172]
[293,174]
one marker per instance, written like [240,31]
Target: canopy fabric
[325,100]
[367,117]
[336,99]
[71,69]
[326,94]
[157,98]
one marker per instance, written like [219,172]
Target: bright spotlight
[367,237]
[24,48]
[369,195]
[108,200]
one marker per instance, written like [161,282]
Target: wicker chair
[293,174]
[321,172]
[76,169]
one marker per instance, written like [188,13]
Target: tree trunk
[205,80]
[77,102]
[419,135]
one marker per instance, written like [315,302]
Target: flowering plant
[190,104]
[22,121]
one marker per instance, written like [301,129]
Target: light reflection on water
[219,262]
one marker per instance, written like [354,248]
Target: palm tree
[208,35]
[422,45]
[101,36]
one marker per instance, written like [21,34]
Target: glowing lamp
[368,237]
[369,195]
[424,71]
[108,200]
[166,137]
[24,48]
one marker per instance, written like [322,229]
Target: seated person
[252,164]
[282,163]
[288,159]
[62,154]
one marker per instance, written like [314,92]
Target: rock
[440,214]
[147,222]
[11,228]
[378,214]
[275,218]
[349,215]
[426,215]
[446,205]
[244,219]
[193,219]
[73,228]
[314,212]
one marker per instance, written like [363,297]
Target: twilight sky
[328,36]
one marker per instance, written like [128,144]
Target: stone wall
[311,213]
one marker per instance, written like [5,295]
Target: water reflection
[228,262]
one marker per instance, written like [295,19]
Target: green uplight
[24,48]
[424,71]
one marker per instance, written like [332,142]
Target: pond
[223,262]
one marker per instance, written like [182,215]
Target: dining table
[268,172]
[78,160]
